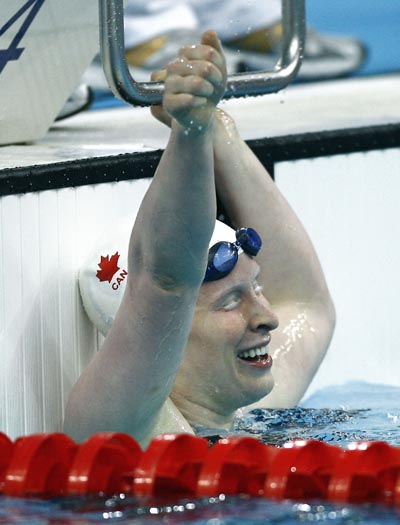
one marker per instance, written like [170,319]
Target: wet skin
[232,316]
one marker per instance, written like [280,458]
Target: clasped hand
[194,83]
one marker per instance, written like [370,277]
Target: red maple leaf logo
[108,267]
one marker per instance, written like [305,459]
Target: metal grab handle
[112,46]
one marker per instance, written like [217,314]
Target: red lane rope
[181,465]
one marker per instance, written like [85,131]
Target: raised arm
[126,385]
[291,274]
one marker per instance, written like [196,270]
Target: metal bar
[112,46]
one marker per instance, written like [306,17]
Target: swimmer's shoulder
[170,421]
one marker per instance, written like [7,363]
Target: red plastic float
[301,470]
[104,463]
[170,466]
[236,465]
[39,465]
[177,466]
[367,472]
[6,448]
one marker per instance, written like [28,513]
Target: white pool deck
[303,108]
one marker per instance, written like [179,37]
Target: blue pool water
[337,415]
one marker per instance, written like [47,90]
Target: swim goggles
[223,256]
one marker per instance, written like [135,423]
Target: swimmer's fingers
[207,60]
[210,38]
[192,84]
[182,96]
[203,52]
[188,101]
[201,68]
[211,49]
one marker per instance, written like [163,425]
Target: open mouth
[256,356]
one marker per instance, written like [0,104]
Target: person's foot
[326,56]
[79,100]
[331,56]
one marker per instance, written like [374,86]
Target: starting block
[45,46]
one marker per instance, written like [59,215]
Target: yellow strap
[138,55]
[261,41]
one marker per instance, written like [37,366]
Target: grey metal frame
[112,46]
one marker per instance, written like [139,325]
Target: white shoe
[325,57]
[78,101]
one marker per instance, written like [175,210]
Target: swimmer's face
[232,321]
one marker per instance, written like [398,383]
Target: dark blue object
[223,256]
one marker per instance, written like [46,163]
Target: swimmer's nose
[264,319]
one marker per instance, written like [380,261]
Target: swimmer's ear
[158,111]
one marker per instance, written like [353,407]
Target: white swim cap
[222,232]
[102,278]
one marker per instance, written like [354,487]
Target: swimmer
[197,334]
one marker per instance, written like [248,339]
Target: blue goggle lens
[249,240]
[223,256]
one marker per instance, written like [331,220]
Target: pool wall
[46,337]
[348,203]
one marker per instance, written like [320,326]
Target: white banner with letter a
[45,46]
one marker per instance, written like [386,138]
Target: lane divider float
[181,465]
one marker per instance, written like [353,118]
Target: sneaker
[78,101]
[325,57]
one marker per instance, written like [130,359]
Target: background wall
[349,204]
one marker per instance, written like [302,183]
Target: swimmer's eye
[233,301]
[230,303]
